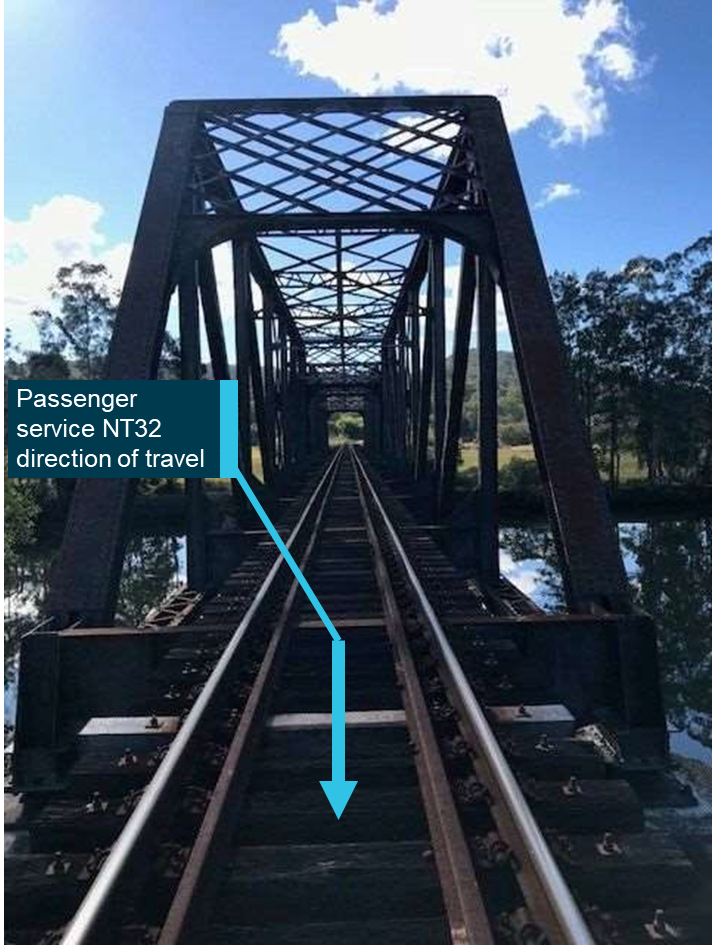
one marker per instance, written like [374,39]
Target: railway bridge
[509,760]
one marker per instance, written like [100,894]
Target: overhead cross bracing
[341,284]
[332,156]
[341,290]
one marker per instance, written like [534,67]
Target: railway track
[478,817]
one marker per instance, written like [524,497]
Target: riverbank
[628,503]
[165,509]
[666,554]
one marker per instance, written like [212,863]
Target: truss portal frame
[338,210]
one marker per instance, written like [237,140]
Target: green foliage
[82,328]
[520,474]
[671,562]
[515,434]
[510,403]
[74,341]
[13,357]
[20,514]
[48,366]
[74,344]
[640,346]
[640,343]
[674,563]
[149,575]
[346,427]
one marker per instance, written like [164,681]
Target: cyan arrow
[338,790]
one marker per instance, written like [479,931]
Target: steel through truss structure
[340,214]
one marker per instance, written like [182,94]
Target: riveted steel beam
[583,528]
[85,579]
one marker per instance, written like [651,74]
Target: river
[668,560]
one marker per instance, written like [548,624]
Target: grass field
[630,469]
[225,483]
[506,454]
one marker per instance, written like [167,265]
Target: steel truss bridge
[165,775]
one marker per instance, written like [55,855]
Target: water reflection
[25,588]
[669,563]
[154,566]
[670,567]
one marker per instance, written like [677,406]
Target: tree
[13,369]
[670,315]
[20,514]
[87,309]
[346,426]
[688,447]
[651,331]
[566,291]
[640,345]
[610,347]
[673,565]
[13,357]
[515,434]
[50,366]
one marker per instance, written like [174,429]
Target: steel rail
[86,925]
[464,904]
[192,896]
[572,927]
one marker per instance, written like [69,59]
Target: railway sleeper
[304,816]
[637,869]
[399,931]
[271,885]
[654,925]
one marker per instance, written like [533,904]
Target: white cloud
[526,575]
[57,233]
[547,59]
[618,60]
[558,191]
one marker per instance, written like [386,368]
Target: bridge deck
[236,840]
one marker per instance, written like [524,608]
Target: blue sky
[86,83]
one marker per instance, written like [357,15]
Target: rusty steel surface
[484,813]
[548,896]
[223,809]
[342,215]
[591,562]
[463,898]
[88,924]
